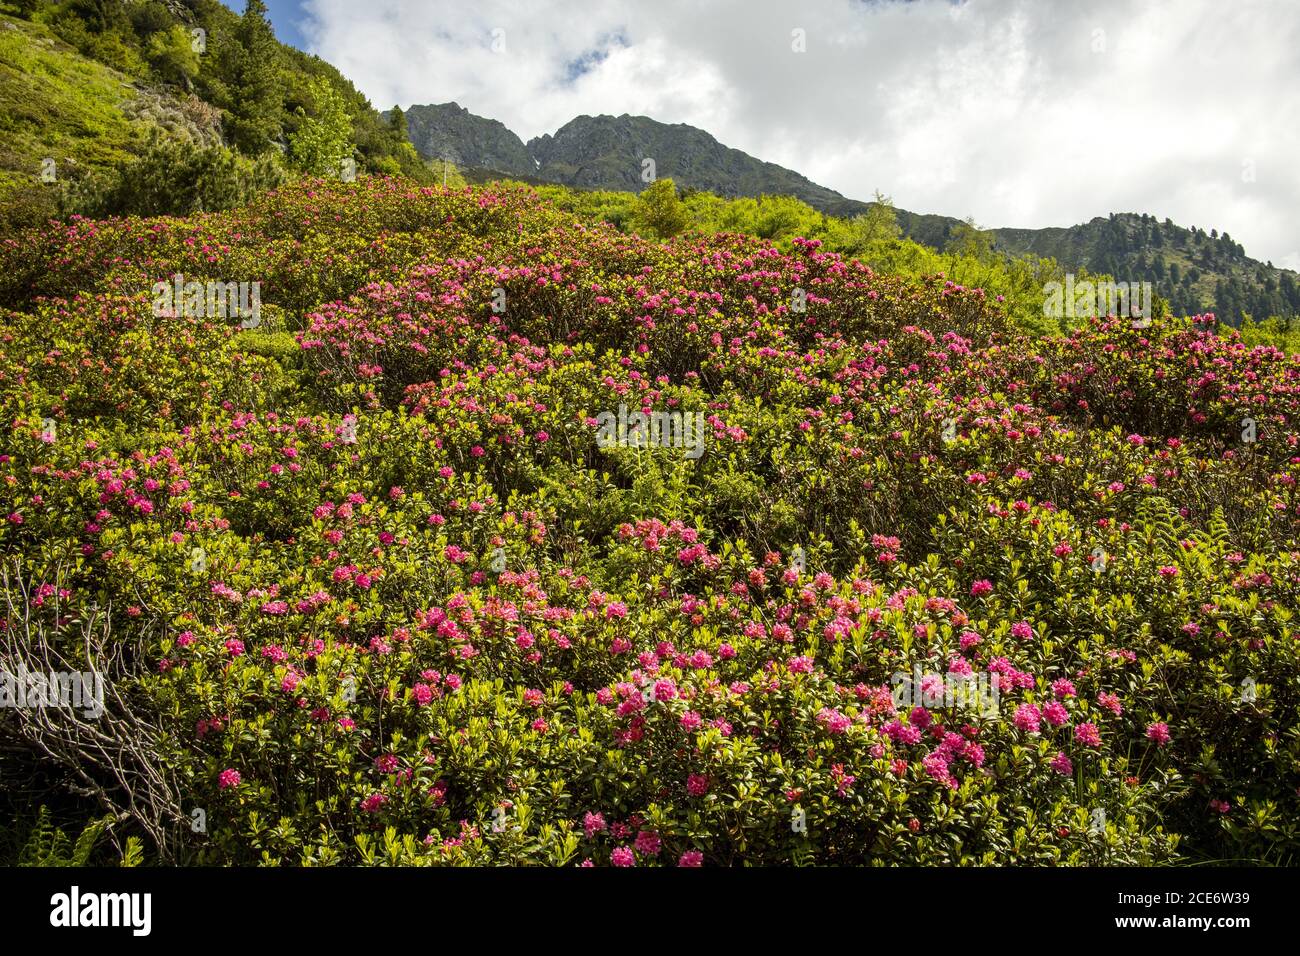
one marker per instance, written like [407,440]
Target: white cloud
[1016,112]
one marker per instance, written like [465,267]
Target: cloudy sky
[1016,112]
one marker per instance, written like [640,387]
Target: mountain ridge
[1193,270]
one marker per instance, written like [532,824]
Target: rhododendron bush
[382,596]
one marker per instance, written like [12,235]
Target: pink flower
[697,784]
[981,588]
[1088,735]
[1056,714]
[592,824]
[1027,718]
[1061,764]
[936,765]
[623,856]
[1159,732]
[691,858]
[800,665]
[834,721]
[665,690]
[228,778]
[1063,688]
[647,843]
[1022,631]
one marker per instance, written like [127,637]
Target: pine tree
[252,91]
[324,139]
[658,210]
[397,123]
[172,56]
[968,239]
[879,222]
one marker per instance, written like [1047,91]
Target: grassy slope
[55,102]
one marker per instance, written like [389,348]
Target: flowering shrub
[388,599]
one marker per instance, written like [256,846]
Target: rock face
[609,152]
[451,132]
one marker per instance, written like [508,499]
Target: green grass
[55,102]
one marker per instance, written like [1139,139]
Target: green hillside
[56,103]
[164,106]
[1194,270]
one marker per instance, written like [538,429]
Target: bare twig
[114,757]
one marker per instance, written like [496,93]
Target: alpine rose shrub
[390,600]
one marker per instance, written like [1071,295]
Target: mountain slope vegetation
[1190,269]
[390,519]
[394,575]
[108,91]
[174,106]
